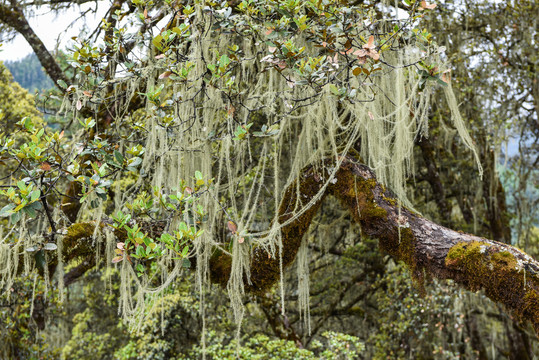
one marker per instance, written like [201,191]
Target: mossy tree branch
[506,274]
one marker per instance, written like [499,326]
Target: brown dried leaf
[370,43]
[232,227]
[446,76]
[360,53]
[45,166]
[374,55]
[165,75]
[424,5]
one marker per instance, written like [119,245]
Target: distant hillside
[29,73]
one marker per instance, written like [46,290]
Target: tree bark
[506,274]
[433,178]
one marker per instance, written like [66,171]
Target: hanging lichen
[240,111]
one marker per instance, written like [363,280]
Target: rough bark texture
[506,274]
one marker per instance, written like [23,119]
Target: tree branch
[15,18]
[508,275]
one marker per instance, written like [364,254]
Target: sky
[48,27]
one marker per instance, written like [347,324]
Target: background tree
[29,73]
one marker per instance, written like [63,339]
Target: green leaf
[62,84]
[134,162]
[140,251]
[28,124]
[185,251]
[157,42]
[15,217]
[119,157]
[183,227]
[29,211]
[166,238]
[7,210]
[334,90]
[35,195]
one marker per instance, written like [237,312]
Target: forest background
[374,310]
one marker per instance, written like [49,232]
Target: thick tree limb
[506,274]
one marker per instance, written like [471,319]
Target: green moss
[531,306]
[480,257]
[389,200]
[74,246]
[486,266]
[78,231]
[505,257]
[406,248]
[358,193]
[465,252]
[70,202]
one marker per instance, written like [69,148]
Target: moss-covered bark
[507,275]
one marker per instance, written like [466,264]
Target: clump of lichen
[73,240]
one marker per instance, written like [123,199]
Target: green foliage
[21,338]
[96,332]
[335,346]
[15,102]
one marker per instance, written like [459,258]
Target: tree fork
[15,18]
